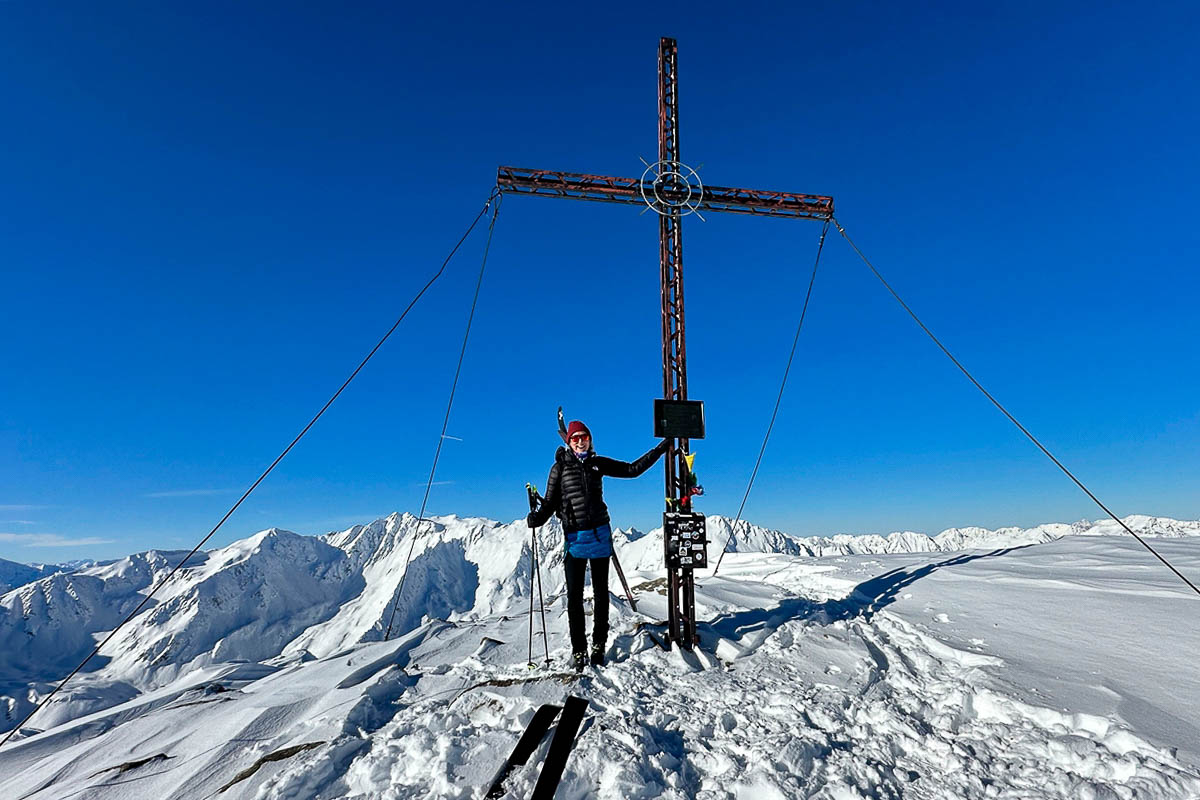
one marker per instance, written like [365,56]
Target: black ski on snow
[534,733]
[560,748]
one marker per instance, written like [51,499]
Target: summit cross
[673,190]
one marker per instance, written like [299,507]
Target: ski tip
[562,425]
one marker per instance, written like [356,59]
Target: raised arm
[624,469]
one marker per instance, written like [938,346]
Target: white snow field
[1055,662]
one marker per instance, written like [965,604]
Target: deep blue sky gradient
[211,212]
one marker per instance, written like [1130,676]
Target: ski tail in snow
[534,733]
[560,748]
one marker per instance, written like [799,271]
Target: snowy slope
[14,575]
[1052,663]
[57,619]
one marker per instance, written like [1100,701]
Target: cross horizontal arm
[579,186]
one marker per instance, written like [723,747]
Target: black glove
[531,520]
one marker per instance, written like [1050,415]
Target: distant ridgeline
[13,574]
[280,594]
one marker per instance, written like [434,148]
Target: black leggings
[575,568]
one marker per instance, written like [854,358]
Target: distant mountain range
[281,595]
[13,574]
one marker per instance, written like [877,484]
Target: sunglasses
[580,437]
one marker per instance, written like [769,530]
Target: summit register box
[678,419]
[686,538]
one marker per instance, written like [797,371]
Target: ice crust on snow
[1033,662]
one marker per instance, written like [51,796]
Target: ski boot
[578,660]
[598,655]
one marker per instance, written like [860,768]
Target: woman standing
[575,492]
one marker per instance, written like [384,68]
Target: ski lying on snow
[560,748]
[535,731]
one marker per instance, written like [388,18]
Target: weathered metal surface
[611,189]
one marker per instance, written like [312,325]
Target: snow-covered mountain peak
[1144,524]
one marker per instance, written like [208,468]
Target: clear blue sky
[211,212]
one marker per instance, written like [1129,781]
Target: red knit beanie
[577,427]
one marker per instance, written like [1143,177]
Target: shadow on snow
[863,602]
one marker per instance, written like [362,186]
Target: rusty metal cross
[673,190]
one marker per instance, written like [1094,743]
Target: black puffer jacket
[575,489]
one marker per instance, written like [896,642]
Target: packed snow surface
[1053,662]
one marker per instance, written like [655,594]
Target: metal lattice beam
[610,189]
[681,614]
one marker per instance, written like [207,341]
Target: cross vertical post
[680,581]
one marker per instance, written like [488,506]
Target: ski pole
[541,602]
[532,492]
[532,569]
[624,584]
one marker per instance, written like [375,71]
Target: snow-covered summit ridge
[282,596]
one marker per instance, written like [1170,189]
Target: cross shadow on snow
[863,602]
[872,595]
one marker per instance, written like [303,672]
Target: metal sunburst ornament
[672,187]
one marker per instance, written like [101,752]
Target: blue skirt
[594,543]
